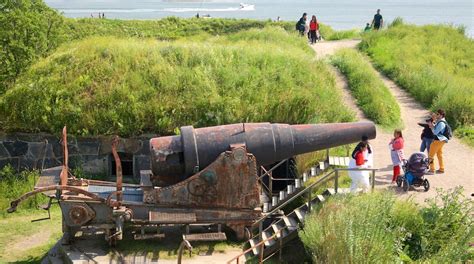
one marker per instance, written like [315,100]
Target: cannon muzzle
[175,158]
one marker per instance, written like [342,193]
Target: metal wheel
[405,184]
[426,185]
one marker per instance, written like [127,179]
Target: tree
[29,29]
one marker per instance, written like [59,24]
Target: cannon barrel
[174,158]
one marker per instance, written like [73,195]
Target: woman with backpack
[442,133]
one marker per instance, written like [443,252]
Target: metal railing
[332,175]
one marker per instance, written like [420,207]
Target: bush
[29,30]
[378,228]
[107,85]
[434,63]
[372,96]
[13,185]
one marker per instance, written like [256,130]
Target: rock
[36,150]
[3,151]
[12,161]
[140,162]
[16,148]
[88,146]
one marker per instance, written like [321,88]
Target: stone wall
[92,154]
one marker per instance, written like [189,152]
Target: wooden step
[279,225]
[253,242]
[217,236]
[329,192]
[148,236]
[301,214]
[290,222]
[266,235]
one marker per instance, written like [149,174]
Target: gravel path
[458,158]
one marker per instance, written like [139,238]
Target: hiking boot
[439,171]
[430,173]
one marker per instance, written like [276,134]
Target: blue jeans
[425,144]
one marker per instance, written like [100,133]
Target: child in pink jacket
[396,148]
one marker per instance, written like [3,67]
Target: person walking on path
[313,28]
[367,28]
[396,153]
[359,178]
[377,22]
[427,135]
[301,24]
[440,132]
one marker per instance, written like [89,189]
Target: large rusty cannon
[175,158]
[204,175]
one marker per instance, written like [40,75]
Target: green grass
[172,28]
[20,239]
[169,28]
[331,34]
[379,228]
[23,241]
[434,63]
[372,96]
[13,185]
[108,85]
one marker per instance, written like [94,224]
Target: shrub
[13,185]
[107,85]
[434,63]
[29,30]
[378,228]
[372,96]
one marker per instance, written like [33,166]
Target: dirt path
[458,158]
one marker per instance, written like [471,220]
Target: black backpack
[448,131]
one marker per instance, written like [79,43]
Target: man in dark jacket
[300,25]
[377,23]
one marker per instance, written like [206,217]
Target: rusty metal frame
[14,204]
[118,170]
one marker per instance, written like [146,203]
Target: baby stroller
[414,172]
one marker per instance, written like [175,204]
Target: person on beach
[313,28]
[440,131]
[396,153]
[359,179]
[301,24]
[377,22]
[427,134]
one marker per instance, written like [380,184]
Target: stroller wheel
[405,185]
[426,185]
[400,181]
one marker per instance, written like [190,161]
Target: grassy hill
[434,63]
[127,86]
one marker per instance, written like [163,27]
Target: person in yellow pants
[436,148]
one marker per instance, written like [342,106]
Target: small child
[367,28]
[396,148]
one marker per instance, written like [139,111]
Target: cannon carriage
[204,176]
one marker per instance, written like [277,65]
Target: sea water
[340,14]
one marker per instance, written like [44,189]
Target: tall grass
[172,28]
[434,63]
[378,228]
[372,96]
[107,85]
[13,185]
